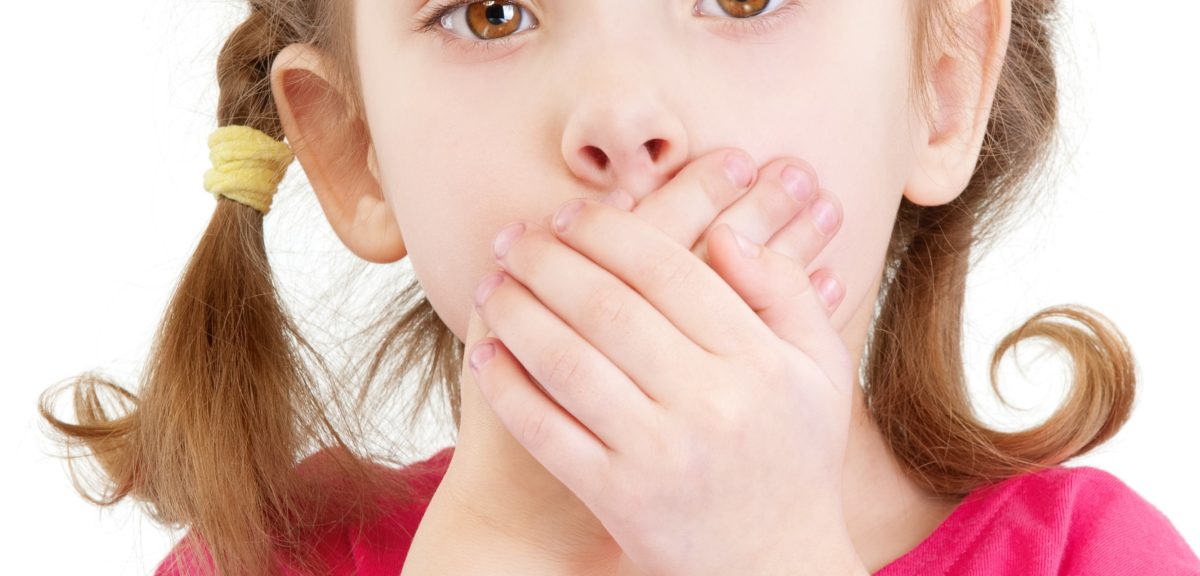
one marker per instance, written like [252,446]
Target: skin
[579,80]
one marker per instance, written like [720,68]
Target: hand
[776,210]
[673,397]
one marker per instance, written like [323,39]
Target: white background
[107,106]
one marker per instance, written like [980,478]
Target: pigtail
[227,401]
[915,383]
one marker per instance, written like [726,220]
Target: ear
[336,153]
[963,85]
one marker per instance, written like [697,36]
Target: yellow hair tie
[248,165]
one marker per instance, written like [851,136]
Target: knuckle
[673,271]
[608,306]
[562,366]
[535,430]
[734,342]
[722,414]
[759,363]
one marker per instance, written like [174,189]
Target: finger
[778,289]
[477,330]
[601,308]
[552,436]
[571,371]
[808,232]
[680,286]
[621,199]
[685,207]
[784,188]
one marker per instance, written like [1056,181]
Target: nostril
[655,148]
[597,155]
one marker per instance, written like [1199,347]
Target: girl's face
[470,136]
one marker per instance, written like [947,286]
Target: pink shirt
[1061,520]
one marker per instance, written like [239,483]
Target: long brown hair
[231,397]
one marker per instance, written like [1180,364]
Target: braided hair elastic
[247,165]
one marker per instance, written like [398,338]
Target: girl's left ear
[336,153]
[963,84]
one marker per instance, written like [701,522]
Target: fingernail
[738,170]
[566,214]
[797,183]
[486,287]
[481,355]
[830,291]
[505,239]
[824,215]
[748,248]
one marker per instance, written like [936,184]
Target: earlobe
[335,151]
[962,85]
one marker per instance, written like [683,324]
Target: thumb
[778,288]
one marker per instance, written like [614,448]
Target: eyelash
[753,25]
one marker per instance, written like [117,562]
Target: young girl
[664,378]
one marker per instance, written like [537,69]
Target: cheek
[848,117]
[452,188]
[858,149]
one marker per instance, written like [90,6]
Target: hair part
[227,403]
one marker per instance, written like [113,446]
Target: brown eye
[743,8]
[493,19]
[487,23]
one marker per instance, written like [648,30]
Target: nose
[624,137]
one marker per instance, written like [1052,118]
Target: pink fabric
[378,550]
[1062,520]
